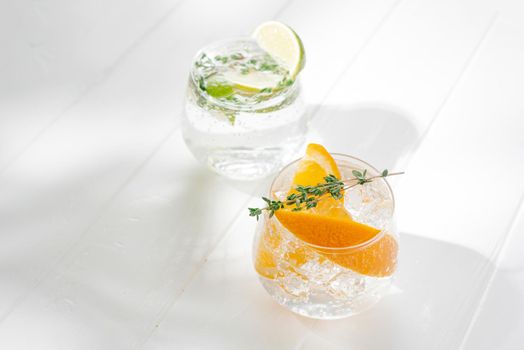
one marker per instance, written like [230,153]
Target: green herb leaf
[201,83]
[264,66]
[237,56]
[255,212]
[222,59]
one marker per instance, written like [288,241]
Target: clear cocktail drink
[244,116]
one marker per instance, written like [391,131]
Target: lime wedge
[282,43]
[253,82]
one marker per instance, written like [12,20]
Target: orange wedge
[325,231]
[379,259]
[316,165]
[312,169]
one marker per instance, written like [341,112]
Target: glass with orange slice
[336,259]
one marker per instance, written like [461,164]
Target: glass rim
[354,247]
[281,98]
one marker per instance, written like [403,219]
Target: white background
[111,235]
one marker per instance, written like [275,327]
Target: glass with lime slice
[244,115]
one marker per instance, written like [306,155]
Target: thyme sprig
[307,197]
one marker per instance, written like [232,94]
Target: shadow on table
[437,291]
[379,134]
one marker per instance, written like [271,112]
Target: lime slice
[219,89]
[253,82]
[282,43]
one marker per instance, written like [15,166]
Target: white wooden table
[110,239]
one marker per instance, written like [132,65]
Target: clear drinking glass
[233,124]
[324,282]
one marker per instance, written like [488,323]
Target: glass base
[245,164]
[319,303]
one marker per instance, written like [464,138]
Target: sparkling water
[244,116]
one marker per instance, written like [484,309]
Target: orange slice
[379,259]
[316,165]
[325,231]
[312,169]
